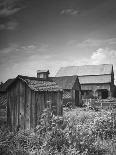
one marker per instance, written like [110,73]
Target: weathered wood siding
[25,106]
[13,106]
[95,87]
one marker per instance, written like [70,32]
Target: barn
[71,89]
[26,99]
[96,80]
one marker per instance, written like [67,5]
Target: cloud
[9,49]
[9,7]
[11,25]
[15,53]
[99,56]
[8,12]
[70,11]
[90,43]
[104,56]
[26,59]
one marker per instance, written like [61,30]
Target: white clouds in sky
[8,7]
[11,25]
[70,11]
[29,58]
[104,56]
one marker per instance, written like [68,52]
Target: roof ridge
[87,65]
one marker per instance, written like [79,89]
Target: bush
[78,132]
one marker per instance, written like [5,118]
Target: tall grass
[77,132]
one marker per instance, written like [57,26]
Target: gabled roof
[85,70]
[38,84]
[67,82]
[5,85]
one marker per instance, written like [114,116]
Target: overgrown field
[78,132]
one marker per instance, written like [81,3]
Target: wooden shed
[26,99]
[71,89]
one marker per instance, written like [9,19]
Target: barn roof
[88,74]
[66,82]
[85,70]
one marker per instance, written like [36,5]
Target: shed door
[76,98]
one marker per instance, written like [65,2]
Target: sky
[49,34]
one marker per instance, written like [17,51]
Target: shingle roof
[85,70]
[37,84]
[65,82]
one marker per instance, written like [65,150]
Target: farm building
[71,89]
[27,97]
[96,80]
[3,101]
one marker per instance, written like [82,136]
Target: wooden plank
[27,107]
[18,106]
[37,108]
[9,121]
[76,98]
[31,118]
[73,97]
[22,117]
[33,109]
[59,103]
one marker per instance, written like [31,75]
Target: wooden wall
[74,99]
[25,106]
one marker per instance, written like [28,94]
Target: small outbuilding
[27,97]
[71,89]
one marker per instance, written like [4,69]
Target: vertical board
[59,103]
[33,109]
[38,107]
[27,106]
[9,115]
[16,94]
[45,99]
[54,103]
[76,98]
[73,97]
[22,107]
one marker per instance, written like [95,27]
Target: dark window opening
[102,93]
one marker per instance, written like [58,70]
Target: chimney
[44,74]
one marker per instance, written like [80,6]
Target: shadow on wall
[114,91]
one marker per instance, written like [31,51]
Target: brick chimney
[44,74]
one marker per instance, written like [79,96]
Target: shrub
[78,132]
